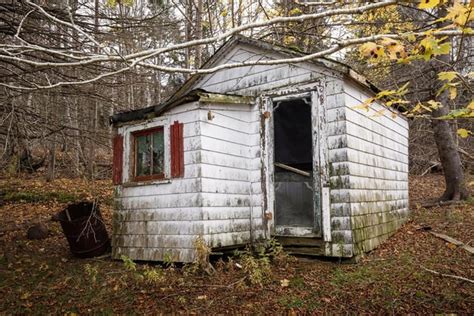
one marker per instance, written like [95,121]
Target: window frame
[142,132]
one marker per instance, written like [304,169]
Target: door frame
[298,231]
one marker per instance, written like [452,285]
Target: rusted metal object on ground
[84,229]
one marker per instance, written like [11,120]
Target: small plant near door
[256,268]
[275,250]
[201,262]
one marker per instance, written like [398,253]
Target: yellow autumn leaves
[458,13]
[389,47]
[428,46]
[428,4]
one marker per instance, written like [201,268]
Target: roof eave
[198,95]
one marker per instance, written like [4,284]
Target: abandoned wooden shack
[257,152]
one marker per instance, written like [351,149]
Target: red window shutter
[117,164]
[177,150]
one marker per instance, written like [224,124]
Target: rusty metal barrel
[84,229]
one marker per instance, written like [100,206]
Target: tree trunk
[449,157]
[445,142]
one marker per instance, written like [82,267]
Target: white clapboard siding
[375,175]
[219,195]
[333,149]
[160,214]
[230,172]
[154,218]
[155,241]
[254,79]
[156,254]
[364,183]
[234,212]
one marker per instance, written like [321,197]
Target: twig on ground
[218,285]
[442,203]
[105,256]
[448,275]
[429,168]
[454,241]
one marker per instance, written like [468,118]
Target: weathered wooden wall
[230,174]
[214,199]
[158,220]
[329,125]
[375,173]
[333,150]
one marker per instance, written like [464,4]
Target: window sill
[147,182]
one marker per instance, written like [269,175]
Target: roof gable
[222,55]
[186,91]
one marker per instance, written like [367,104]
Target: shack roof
[192,96]
[186,93]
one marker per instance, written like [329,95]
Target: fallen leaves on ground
[42,277]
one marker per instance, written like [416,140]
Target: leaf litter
[41,276]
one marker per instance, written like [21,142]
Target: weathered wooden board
[156,254]
[364,183]
[159,214]
[377,160]
[366,170]
[234,212]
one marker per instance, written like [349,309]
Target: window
[151,156]
[149,151]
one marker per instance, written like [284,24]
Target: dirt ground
[41,276]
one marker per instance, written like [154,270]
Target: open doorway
[293,172]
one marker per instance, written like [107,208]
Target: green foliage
[256,266]
[464,133]
[360,275]
[297,282]
[168,260]
[201,261]
[467,112]
[258,270]
[92,272]
[428,4]
[292,302]
[202,252]
[153,275]
[128,263]
[432,47]
[275,249]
